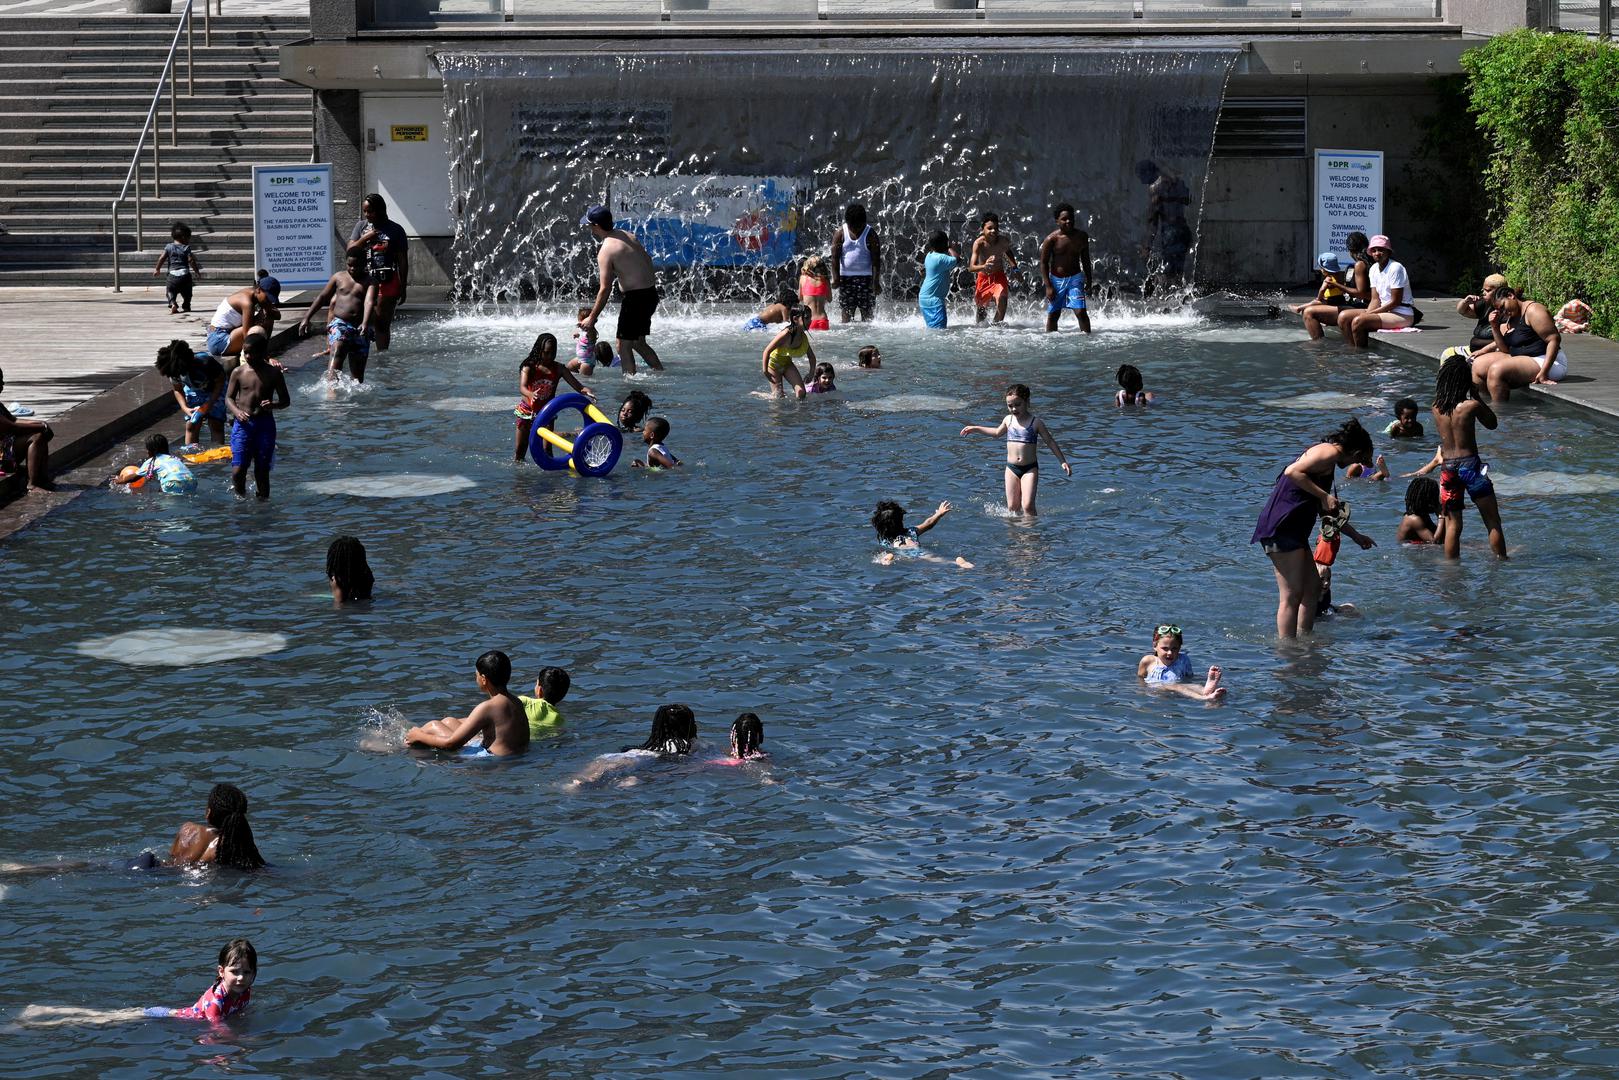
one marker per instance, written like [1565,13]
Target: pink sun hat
[1379,241]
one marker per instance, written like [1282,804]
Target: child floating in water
[889,521]
[673,734]
[228,996]
[747,736]
[537,378]
[824,381]
[1379,470]
[1021,428]
[544,718]
[657,454]
[1405,424]
[501,720]
[779,312]
[1169,668]
[1421,508]
[787,346]
[173,478]
[871,357]
[1130,387]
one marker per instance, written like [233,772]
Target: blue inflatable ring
[593,452]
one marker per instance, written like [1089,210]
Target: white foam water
[396,486]
[180,646]
[489,404]
[1555,483]
[912,403]
[1325,400]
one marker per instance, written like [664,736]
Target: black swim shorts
[635,310]
[854,294]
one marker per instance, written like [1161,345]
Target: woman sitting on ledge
[1528,348]
[1390,307]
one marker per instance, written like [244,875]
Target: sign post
[292,223]
[1348,198]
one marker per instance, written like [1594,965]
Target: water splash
[925,140]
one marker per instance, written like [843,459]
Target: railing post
[191,44]
[117,279]
[174,92]
[140,220]
[207,24]
[157,169]
[1604,20]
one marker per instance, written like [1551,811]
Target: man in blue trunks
[1065,267]
[354,299]
[256,389]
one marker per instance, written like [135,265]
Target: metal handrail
[133,174]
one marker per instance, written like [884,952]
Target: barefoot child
[588,352]
[1405,424]
[825,380]
[1065,269]
[939,260]
[537,378]
[199,387]
[544,718]
[789,345]
[1421,507]
[1169,668]
[871,357]
[173,478]
[231,990]
[673,734]
[991,257]
[353,297]
[1334,527]
[815,286]
[1378,471]
[889,521]
[657,454]
[501,720]
[26,444]
[1456,407]
[255,391]
[1130,387]
[1021,428]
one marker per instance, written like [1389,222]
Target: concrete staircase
[73,96]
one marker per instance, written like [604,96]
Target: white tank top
[226,317]
[856,261]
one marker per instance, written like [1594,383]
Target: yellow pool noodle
[554,439]
[596,414]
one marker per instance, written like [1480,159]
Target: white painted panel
[413,176]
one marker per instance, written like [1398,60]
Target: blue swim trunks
[340,333]
[934,315]
[1070,294]
[1464,474]
[253,441]
[218,340]
[196,399]
[755,323]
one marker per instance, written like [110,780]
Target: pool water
[980,846]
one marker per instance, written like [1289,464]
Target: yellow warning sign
[409,132]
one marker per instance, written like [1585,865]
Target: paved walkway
[84,8]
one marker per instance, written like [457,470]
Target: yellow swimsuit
[783,355]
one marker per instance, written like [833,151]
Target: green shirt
[543,717]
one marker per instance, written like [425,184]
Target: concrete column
[340,139]
[337,18]
[1487,18]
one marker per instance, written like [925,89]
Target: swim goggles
[1166,629]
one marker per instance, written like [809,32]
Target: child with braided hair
[226,839]
[1456,407]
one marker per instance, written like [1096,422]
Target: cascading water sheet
[730,162]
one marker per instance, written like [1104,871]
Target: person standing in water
[1456,408]
[386,250]
[1065,267]
[621,258]
[857,265]
[1021,429]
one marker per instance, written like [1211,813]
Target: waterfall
[729,161]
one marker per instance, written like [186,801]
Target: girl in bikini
[815,286]
[1021,429]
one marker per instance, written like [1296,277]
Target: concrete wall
[1257,221]
[1490,17]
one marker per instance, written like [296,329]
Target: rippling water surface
[981,848]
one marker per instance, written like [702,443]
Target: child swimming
[1130,387]
[889,521]
[630,414]
[537,378]
[778,312]
[824,381]
[226,839]
[1405,424]
[871,357]
[544,718]
[657,454]
[787,346]
[1418,525]
[348,571]
[747,736]
[229,994]
[173,478]
[1379,470]
[500,720]
[1168,668]
[673,734]
[1021,428]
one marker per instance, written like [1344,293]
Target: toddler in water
[657,454]
[673,734]
[1130,391]
[889,521]
[1405,424]
[172,475]
[537,378]
[588,353]
[1021,428]
[824,381]
[871,357]
[228,996]
[815,286]
[1417,526]
[1167,667]
[544,718]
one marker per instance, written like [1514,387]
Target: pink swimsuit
[213,1006]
